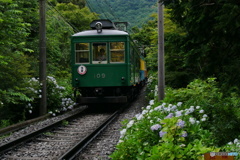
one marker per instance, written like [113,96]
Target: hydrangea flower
[158,108]
[144,112]
[162,133]
[230,143]
[156,127]
[205,116]
[151,102]
[179,103]
[139,116]
[148,107]
[184,134]
[201,111]
[178,113]
[182,145]
[130,124]
[122,133]
[235,141]
[170,115]
[174,108]
[180,123]
[192,120]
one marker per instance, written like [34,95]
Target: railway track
[62,140]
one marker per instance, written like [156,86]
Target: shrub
[184,130]
[59,98]
[218,106]
[17,106]
[165,131]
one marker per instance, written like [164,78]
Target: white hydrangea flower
[144,112]
[235,141]
[158,108]
[151,102]
[201,111]
[230,143]
[174,107]
[122,133]
[205,116]
[178,113]
[139,116]
[130,124]
[192,120]
[120,141]
[179,103]
[148,107]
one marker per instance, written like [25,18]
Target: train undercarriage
[90,95]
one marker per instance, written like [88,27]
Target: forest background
[201,41]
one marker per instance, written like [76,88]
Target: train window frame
[122,49]
[102,48]
[78,54]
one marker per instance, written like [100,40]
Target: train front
[100,72]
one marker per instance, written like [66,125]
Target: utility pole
[161,70]
[42,57]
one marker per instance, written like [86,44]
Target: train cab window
[117,51]
[82,52]
[99,53]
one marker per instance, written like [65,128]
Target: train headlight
[99,27]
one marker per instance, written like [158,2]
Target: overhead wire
[59,20]
[63,18]
[106,17]
[91,9]
[111,11]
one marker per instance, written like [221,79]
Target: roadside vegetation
[19,56]
[188,123]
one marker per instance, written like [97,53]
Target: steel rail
[14,143]
[76,149]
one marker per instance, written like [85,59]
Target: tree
[80,18]
[211,43]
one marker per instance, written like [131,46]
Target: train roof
[105,32]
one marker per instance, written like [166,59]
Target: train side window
[99,53]
[117,50]
[82,52]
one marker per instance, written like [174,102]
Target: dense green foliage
[19,23]
[202,42]
[210,47]
[186,124]
[135,12]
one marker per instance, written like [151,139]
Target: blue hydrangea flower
[181,123]
[184,134]
[162,133]
[156,127]
[170,115]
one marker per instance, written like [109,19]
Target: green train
[107,67]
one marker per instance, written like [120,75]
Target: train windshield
[99,53]
[117,52]
[82,52]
